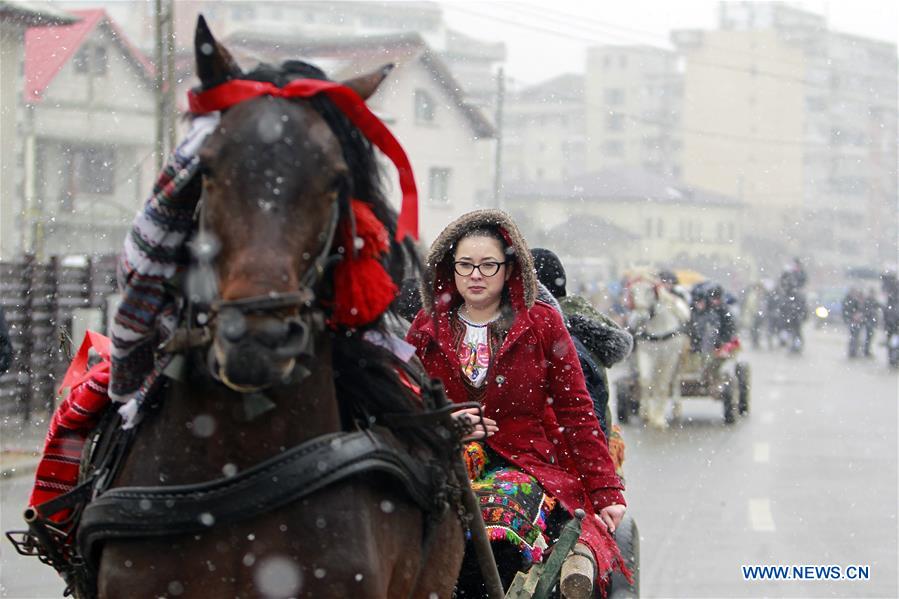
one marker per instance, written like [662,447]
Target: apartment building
[633,98]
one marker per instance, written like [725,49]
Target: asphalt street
[809,477]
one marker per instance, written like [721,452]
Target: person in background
[890,287]
[600,342]
[755,303]
[670,281]
[871,317]
[486,336]
[6,352]
[792,309]
[854,317]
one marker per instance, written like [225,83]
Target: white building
[619,218]
[15,18]
[633,97]
[543,131]
[87,134]
[807,118]
[473,62]
[449,142]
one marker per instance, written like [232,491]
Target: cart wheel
[727,398]
[627,537]
[743,386]
[623,393]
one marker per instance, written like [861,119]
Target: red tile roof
[48,49]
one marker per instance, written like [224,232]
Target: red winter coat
[535,386]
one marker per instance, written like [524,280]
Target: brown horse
[275,174]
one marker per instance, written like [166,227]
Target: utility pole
[498,155]
[165,80]
[160,80]
[171,79]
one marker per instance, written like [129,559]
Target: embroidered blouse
[475,345]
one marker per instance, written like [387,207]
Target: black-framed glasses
[487,269]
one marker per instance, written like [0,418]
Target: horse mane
[366,377]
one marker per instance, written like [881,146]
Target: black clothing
[5,345]
[550,271]
[597,384]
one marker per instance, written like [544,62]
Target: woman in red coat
[482,333]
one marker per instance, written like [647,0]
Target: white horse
[656,320]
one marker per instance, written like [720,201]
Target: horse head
[278,177]
[642,296]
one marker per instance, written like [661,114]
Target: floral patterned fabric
[474,353]
[513,504]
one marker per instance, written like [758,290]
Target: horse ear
[215,64]
[366,85]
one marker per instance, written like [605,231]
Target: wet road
[808,478]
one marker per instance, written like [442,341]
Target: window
[614,122]
[91,59]
[438,185]
[424,107]
[622,61]
[648,227]
[660,228]
[82,60]
[101,61]
[91,170]
[614,96]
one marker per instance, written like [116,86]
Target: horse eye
[341,183]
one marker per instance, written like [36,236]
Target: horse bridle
[230,316]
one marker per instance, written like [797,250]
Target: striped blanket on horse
[73,420]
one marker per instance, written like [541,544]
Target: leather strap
[139,512]
[662,337]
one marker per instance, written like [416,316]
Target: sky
[545,38]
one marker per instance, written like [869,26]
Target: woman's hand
[483,427]
[611,516]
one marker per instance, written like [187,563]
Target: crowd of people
[774,313]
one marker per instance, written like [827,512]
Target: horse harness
[100,514]
[644,336]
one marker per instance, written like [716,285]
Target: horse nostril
[298,331]
[297,340]
[232,324]
[270,331]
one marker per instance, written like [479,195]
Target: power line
[569,19]
[592,40]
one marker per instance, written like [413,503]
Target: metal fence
[40,301]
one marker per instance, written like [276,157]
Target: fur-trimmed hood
[438,280]
[608,342]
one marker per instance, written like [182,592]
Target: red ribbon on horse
[349,102]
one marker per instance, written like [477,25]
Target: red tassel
[375,241]
[363,290]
